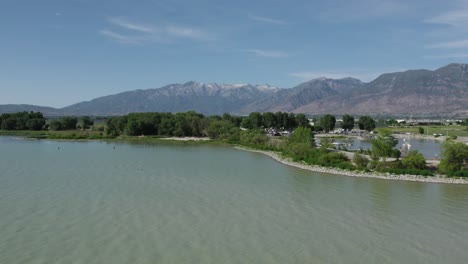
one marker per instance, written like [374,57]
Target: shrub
[454,156]
[385,165]
[360,161]
[457,173]
[332,158]
[414,160]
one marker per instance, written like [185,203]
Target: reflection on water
[90,203]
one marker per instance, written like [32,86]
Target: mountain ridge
[443,91]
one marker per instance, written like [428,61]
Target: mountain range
[442,92]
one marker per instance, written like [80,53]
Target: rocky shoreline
[384,176]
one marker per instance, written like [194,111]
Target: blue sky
[56,53]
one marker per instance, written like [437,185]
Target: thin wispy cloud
[130,32]
[186,32]
[268,53]
[267,20]
[453,18]
[122,22]
[459,44]
[456,27]
[124,39]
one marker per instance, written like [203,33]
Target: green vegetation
[366,123]
[360,161]
[383,146]
[192,124]
[85,122]
[348,122]
[454,158]
[414,160]
[246,131]
[327,122]
[392,122]
[22,121]
[48,134]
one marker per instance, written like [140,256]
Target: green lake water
[88,202]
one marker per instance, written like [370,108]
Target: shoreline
[376,175]
[287,161]
[418,136]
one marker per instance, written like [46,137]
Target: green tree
[454,156]
[302,135]
[22,120]
[220,129]
[269,119]
[115,125]
[325,144]
[196,125]
[282,120]
[166,126]
[181,128]
[35,124]
[9,124]
[256,119]
[55,125]
[414,160]
[327,122]
[318,128]
[421,130]
[348,122]
[292,122]
[247,123]
[133,128]
[254,137]
[383,144]
[366,123]
[69,123]
[302,120]
[86,122]
[392,122]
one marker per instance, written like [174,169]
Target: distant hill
[209,98]
[442,92]
[13,108]
[305,93]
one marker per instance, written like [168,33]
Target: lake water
[430,148]
[90,203]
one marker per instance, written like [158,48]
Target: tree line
[36,121]
[250,131]
[22,121]
[180,124]
[70,123]
[195,124]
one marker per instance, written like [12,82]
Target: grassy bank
[459,131]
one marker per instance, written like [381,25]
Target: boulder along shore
[384,176]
